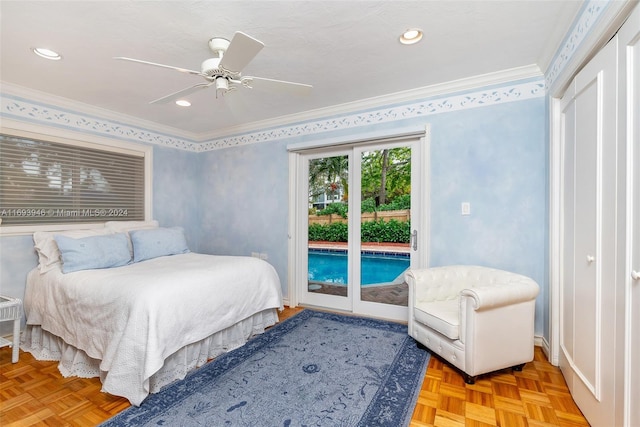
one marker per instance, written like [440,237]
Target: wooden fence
[400,215]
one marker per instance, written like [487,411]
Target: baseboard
[540,341]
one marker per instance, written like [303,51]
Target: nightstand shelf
[11,310]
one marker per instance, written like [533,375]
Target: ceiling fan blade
[181,93]
[271,85]
[241,51]
[182,70]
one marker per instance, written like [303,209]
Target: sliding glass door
[328,256]
[385,233]
[357,234]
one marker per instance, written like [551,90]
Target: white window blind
[45,182]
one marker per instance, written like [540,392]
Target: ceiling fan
[223,71]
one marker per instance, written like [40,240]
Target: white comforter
[131,318]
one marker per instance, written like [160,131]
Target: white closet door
[629,54]
[588,310]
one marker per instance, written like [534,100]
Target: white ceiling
[348,50]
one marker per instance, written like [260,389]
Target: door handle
[590,259]
[414,240]
[635,275]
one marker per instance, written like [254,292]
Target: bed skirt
[74,362]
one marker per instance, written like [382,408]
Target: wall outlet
[465,208]
[264,256]
[255,254]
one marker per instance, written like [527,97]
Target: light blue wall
[493,157]
[177,191]
[17,258]
[244,203]
[496,159]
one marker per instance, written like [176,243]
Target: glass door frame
[417,256]
[311,298]
[418,137]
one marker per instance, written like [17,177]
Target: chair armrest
[512,290]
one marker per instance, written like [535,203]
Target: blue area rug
[314,369]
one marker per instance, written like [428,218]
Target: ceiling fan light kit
[225,68]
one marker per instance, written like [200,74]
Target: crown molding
[92,111]
[596,23]
[23,104]
[346,116]
[454,86]
[500,94]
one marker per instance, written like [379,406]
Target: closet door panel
[586,223]
[588,309]
[567,315]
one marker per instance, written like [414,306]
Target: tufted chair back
[478,318]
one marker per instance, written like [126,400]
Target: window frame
[78,139]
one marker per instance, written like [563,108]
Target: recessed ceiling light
[46,53]
[411,36]
[183,103]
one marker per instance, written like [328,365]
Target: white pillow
[47,249]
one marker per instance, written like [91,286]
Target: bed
[142,324]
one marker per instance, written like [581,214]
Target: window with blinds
[44,182]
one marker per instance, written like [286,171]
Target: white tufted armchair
[478,319]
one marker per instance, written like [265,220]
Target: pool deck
[396,293]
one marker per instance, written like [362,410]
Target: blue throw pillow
[86,253]
[156,242]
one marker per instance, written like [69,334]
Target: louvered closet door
[587,318]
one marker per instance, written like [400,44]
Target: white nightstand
[11,309]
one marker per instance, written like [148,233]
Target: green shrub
[316,232]
[391,231]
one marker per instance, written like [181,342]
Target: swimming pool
[331,267]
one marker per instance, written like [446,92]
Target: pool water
[331,267]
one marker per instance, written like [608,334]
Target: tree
[329,175]
[386,174]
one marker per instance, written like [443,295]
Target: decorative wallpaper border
[411,110]
[588,17]
[14,107]
[17,108]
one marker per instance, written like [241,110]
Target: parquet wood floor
[33,393]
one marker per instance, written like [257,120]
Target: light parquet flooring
[536,397]
[33,393]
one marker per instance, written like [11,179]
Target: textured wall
[493,157]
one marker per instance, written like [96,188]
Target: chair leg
[421,346]
[519,367]
[469,379]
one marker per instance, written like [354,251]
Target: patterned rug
[314,369]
